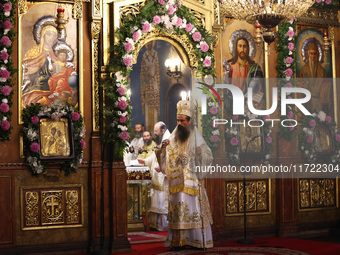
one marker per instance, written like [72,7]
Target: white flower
[267,156]
[168,24]
[314,114]
[174,19]
[302,148]
[5,100]
[82,132]
[165,18]
[119,75]
[2,80]
[306,151]
[290,53]
[193,30]
[7,14]
[4,118]
[31,134]
[304,129]
[133,29]
[216,132]
[322,116]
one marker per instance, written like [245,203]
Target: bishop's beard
[158,139]
[182,133]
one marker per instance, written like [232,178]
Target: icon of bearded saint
[314,79]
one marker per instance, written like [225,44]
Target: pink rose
[121,91]
[312,123]
[4,55]
[6,90]
[35,147]
[289,60]
[122,105]
[204,47]
[318,1]
[207,62]
[179,2]
[136,36]
[146,28]
[289,85]
[265,118]
[234,141]
[171,10]
[235,117]
[291,127]
[4,107]
[83,144]
[75,116]
[5,41]
[128,47]
[5,74]
[328,119]
[328,1]
[189,27]
[128,61]
[269,139]
[337,137]
[122,119]
[7,7]
[162,2]
[309,139]
[289,72]
[35,119]
[215,139]
[213,110]
[290,115]
[291,46]
[5,125]
[197,36]
[124,135]
[156,19]
[290,33]
[7,24]
[179,22]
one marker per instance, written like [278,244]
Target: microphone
[254,137]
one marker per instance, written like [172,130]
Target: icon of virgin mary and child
[48,74]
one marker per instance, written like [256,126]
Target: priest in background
[159,191]
[135,144]
[148,147]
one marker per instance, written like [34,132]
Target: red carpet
[265,246]
[147,237]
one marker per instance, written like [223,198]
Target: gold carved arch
[180,42]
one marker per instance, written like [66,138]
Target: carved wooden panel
[51,207]
[317,193]
[257,196]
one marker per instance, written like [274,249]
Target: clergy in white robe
[135,145]
[187,149]
[159,191]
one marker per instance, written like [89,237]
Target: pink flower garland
[6,24]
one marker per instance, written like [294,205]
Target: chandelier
[268,13]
